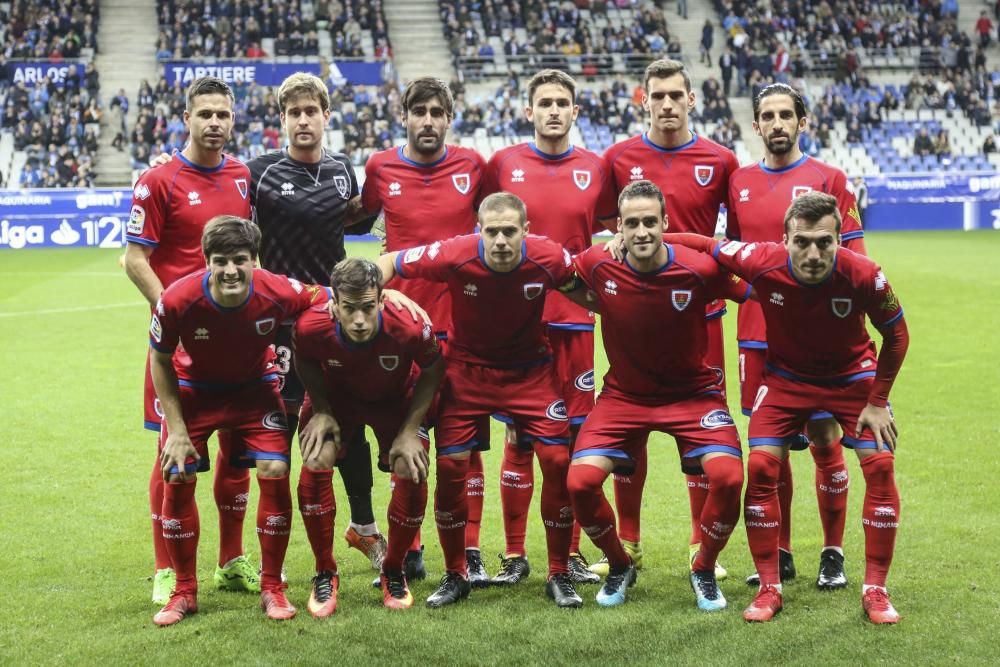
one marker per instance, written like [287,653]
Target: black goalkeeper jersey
[300,208]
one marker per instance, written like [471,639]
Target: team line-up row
[513,313]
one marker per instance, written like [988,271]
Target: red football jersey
[653,324]
[171,204]
[694,178]
[496,317]
[226,347]
[815,332]
[423,203]
[374,371]
[565,196]
[759,198]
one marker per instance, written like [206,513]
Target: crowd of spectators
[238,28]
[49,29]
[553,28]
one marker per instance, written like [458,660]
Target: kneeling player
[225,318]
[656,385]
[366,365]
[820,357]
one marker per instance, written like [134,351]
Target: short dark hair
[504,201]
[663,69]
[643,190]
[551,76]
[228,234]
[355,275]
[208,85]
[781,89]
[425,89]
[812,207]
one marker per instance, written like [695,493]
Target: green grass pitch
[75,552]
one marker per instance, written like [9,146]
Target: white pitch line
[11,274]
[74,309]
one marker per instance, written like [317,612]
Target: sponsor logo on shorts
[264,326]
[717,419]
[342,186]
[413,254]
[136,220]
[275,421]
[388,361]
[841,307]
[157,408]
[556,411]
[761,393]
[585,381]
[720,375]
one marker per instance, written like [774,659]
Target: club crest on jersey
[585,381]
[556,411]
[581,179]
[462,183]
[716,419]
[680,298]
[341,183]
[241,185]
[533,290]
[800,190]
[275,421]
[703,174]
[264,326]
[841,307]
[388,361]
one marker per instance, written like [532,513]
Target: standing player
[757,194]
[170,206]
[226,318]
[370,367]
[565,189]
[814,296]
[652,384]
[498,361]
[426,192]
[693,173]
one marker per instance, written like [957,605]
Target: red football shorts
[530,397]
[783,406]
[152,413]
[618,426]
[752,362]
[254,413]
[573,354]
[715,353]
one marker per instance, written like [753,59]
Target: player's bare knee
[823,432]
[271,469]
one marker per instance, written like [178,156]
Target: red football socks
[517,483]
[406,512]
[160,554]
[721,509]
[181,529]
[451,511]
[319,510]
[762,514]
[274,522]
[697,486]
[593,511]
[785,492]
[831,491]
[231,488]
[557,511]
[879,515]
[475,487]
[628,497]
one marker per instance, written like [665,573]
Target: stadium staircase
[127,36]
[418,43]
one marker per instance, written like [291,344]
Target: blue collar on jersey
[549,156]
[204,170]
[423,165]
[649,142]
[788,266]
[660,269]
[793,165]
[218,306]
[482,258]
[350,344]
